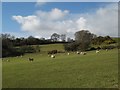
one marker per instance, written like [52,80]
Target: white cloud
[43,23]
[54,14]
[105,21]
[81,23]
[28,23]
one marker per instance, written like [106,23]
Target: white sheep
[97,51]
[78,52]
[52,56]
[81,53]
[68,53]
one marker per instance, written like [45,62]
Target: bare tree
[63,37]
[55,37]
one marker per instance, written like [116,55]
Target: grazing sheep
[97,51]
[81,53]
[31,59]
[78,52]
[68,53]
[52,56]
[52,52]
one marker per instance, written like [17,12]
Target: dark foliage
[103,40]
[91,48]
[83,39]
[52,52]
[71,46]
[108,47]
[28,49]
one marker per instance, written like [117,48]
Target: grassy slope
[92,70]
[49,47]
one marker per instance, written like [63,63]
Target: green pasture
[64,71]
[49,47]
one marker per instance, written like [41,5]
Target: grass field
[73,71]
[50,47]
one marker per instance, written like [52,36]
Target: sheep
[31,59]
[52,56]
[52,52]
[83,53]
[68,53]
[97,51]
[78,52]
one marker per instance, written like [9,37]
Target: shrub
[98,48]
[108,47]
[71,46]
[28,49]
[91,48]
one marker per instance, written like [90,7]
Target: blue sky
[24,9]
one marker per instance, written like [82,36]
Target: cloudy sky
[41,19]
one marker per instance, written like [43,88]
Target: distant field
[73,71]
[50,47]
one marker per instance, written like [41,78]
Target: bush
[91,48]
[12,52]
[98,48]
[108,47]
[16,52]
[28,49]
[109,41]
[71,46]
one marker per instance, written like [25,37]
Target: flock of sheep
[53,53]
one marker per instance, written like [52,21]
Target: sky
[41,19]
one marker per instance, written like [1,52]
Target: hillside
[48,47]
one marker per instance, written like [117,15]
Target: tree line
[12,46]
[85,40]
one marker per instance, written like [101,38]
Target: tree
[55,37]
[71,46]
[70,40]
[8,46]
[83,38]
[63,37]
[31,40]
